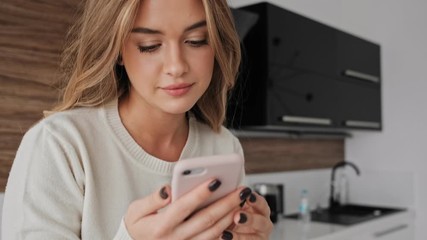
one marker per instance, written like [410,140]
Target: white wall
[400,27]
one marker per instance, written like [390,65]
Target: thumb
[148,205]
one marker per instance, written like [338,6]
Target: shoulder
[57,142]
[66,124]
[77,116]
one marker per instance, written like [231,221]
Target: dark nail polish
[242,203]
[214,185]
[245,193]
[252,198]
[163,193]
[226,235]
[243,218]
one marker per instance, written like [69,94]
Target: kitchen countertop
[291,229]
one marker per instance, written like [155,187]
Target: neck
[160,134]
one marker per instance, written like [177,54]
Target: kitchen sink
[349,214]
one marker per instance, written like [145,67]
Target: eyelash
[148,49]
[153,48]
[197,43]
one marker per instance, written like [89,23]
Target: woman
[147,86]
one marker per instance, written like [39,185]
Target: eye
[149,49]
[197,43]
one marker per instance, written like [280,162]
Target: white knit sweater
[76,172]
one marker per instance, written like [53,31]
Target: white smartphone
[189,173]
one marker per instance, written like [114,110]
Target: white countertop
[291,229]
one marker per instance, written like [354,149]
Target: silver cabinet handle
[390,230]
[361,76]
[309,120]
[355,123]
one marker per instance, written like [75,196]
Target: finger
[148,205]
[210,215]
[259,204]
[215,231]
[256,222]
[183,207]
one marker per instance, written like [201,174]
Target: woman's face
[167,56]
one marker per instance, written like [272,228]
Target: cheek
[204,63]
[137,66]
[130,61]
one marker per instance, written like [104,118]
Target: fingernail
[163,193]
[245,193]
[243,218]
[252,198]
[226,235]
[242,203]
[214,185]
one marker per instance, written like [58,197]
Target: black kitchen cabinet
[299,74]
[297,94]
[357,58]
[298,42]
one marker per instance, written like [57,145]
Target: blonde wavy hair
[93,77]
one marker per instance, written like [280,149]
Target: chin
[178,105]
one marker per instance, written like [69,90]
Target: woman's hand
[252,221]
[143,219]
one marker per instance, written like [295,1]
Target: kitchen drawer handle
[354,123]
[391,230]
[308,120]
[361,76]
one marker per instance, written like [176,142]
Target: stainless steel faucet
[333,203]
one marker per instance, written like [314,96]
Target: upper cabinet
[299,74]
[295,41]
[358,58]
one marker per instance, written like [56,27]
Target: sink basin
[349,214]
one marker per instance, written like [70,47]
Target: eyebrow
[153,31]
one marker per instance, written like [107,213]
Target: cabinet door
[397,232]
[300,98]
[358,58]
[403,231]
[359,104]
[300,43]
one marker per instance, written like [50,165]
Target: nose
[175,64]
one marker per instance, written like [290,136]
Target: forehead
[175,14]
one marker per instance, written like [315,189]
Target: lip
[177,89]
